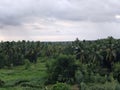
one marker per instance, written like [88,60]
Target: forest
[70,65]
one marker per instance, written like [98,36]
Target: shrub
[27,64]
[60,86]
[117,71]
[99,79]
[62,70]
[117,87]
[1,83]
[99,86]
[83,86]
[79,77]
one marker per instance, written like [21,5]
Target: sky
[59,20]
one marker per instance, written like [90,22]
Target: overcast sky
[59,20]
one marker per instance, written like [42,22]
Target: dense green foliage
[90,65]
[62,70]
[60,86]
[15,53]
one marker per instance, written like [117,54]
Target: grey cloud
[15,12]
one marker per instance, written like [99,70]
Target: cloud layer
[59,19]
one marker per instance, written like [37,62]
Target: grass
[16,76]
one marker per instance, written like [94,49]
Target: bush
[117,71]
[83,86]
[99,79]
[79,77]
[1,83]
[27,64]
[117,87]
[97,86]
[60,86]
[63,69]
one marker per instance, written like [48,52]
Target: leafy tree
[62,70]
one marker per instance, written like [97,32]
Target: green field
[16,77]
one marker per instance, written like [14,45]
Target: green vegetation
[60,86]
[20,78]
[62,70]
[77,65]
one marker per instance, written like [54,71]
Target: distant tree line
[102,53]
[14,53]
